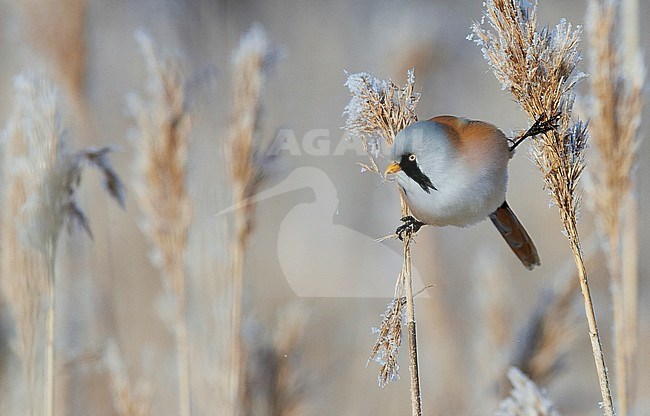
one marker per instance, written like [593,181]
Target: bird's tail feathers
[515,235]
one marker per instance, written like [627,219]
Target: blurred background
[312,248]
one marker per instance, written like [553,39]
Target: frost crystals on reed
[377,111]
[389,339]
[537,67]
[526,399]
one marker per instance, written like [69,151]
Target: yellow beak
[393,168]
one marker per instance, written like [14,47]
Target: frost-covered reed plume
[526,399]
[615,105]
[537,66]
[41,177]
[163,127]
[377,111]
[249,165]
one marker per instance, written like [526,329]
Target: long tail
[515,235]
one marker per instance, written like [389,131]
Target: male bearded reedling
[454,171]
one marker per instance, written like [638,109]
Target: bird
[453,171]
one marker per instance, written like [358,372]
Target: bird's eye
[412,158]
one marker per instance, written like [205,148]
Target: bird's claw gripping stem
[410,227]
[540,126]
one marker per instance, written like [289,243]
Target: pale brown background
[108,289]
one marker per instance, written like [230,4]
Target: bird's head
[422,154]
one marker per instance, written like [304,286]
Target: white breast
[464,196]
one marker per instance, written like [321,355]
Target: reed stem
[594,335]
[416,401]
[236,344]
[182,345]
[49,349]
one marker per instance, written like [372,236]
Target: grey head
[424,153]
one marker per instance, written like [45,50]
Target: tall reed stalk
[27,271]
[615,107]
[278,382]
[537,67]
[41,179]
[163,129]
[247,160]
[377,111]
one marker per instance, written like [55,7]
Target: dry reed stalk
[129,400]
[25,273]
[291,383]
[377,111]
[56,29]
[634,67]
[210,306]
[549,332]
[276,383]
[163,127]
[389,338]
[537,67]
[615,107]
[542,344]
[41,176]
[526,399]
[249,166]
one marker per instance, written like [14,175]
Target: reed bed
[222,358]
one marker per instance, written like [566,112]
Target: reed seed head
[377,111]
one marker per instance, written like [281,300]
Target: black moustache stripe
[413,171]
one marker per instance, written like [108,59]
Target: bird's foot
[409,228]
[540,126]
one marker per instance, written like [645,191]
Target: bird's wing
[451,121]
[515,235]
[478,136]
